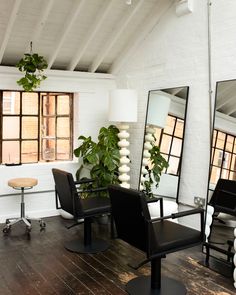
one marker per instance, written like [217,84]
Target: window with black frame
[170,140]
[35,127]
[223,160]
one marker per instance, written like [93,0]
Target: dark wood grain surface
[39,264]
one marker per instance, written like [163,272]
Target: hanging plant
[32,65]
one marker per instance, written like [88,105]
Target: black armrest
[92,190]
[179,214]
[186,213]
[85,180]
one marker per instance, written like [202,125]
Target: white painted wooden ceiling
[81,35]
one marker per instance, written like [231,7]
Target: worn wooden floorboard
[39,264]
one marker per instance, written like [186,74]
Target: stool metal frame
[26,220]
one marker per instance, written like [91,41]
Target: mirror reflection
[163,142]
[222,181]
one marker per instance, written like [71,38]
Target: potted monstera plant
[100,158]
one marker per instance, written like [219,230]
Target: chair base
[95,247]
[142,286]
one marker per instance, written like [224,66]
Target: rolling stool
[22,184]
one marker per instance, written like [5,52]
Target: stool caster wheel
[6,229]
[42,224]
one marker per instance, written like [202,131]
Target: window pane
[48,127]
[10,152]
[63,149]
[63,105]
[11,127]
[11,103]
[176,147]
[48,105]
[173,165]
[63,127]
[170,123]
[179,129]
[165,144]
[48,149]
[218,157]
[229,143]
[220,140]
[233,163]
[29,151]
[215,174]
[232,175]
[29,103]
[225,174]
[227,160]
[29,127]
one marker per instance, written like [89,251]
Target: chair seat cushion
[167,236]
[95,206]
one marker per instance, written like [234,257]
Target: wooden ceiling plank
[41,21]
[90,35]
[142,31]
[76,10]
[12,18]
[115,36]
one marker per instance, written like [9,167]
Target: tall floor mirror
[163,144]
[222,181]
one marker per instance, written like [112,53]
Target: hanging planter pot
[32,65]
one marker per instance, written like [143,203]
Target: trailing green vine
[32,65]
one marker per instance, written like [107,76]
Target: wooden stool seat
[22,182]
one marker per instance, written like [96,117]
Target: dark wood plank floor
[39,264]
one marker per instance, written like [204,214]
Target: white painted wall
[90,113]
[175,54]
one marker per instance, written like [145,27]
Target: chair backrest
[67,193]
[224,197]
[128,212]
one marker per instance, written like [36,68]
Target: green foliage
[101,158]
[157,164]
[32,65]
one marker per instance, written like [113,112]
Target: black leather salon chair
[156,237]
[87,208]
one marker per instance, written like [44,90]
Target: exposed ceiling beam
[175,91]
[90,35]
[12,18]
[77,8]
[115,35]
[224,100]
[41,21]
[231,111]
[141,33]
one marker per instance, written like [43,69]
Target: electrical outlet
[199,202]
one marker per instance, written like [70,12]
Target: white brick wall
[90,113]
[175,54]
